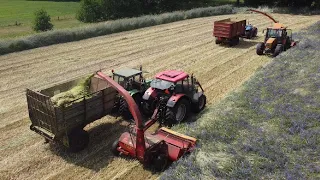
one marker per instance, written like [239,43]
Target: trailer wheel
[78,140]
[218,41]
[160,162]
[114,148]
[260,48]
[278,50]
[199,106]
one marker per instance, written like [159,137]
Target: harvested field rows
[186,45]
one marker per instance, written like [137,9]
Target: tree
[42,21]
[91,11]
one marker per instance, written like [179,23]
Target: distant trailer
[228,31]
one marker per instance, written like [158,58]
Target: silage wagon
[64,123]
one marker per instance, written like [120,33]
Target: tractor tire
[169,118]
[255,32]
[218,41]
[248,34]
[260,48]
[199,106]
[114,148]
[278,50]
[181,110]
[160,162]
[124,110]
[78,140]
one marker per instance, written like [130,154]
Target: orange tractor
[277,39]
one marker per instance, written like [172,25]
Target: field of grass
[268,129]
[22,13]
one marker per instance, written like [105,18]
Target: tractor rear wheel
[124,109]
[278,50]
[255,32]
[181,110]
[78,140]
[248,34]
[260,48]
[114,148]
[199,106]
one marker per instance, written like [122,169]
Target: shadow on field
[98,153]
[245,44]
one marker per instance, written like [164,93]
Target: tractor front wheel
[199,106]
[278,50]
[260,48]
[78,140]
[181,110]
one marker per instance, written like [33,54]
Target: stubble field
[185,45]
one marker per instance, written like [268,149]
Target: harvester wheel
[181,110]
[278,50]
[78,140]
[260,48]
[114,148]
[199,106]
[160,162]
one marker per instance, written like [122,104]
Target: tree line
[101,10]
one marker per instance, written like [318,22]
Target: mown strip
[100,29]
[268,129]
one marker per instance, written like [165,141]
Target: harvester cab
[155,149]
[181,93]
[277,38]
[133,81]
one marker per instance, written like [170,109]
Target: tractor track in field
[186,45]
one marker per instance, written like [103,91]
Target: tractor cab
[129,78]
[175,82]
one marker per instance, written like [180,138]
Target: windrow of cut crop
[268,129]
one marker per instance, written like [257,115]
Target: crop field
[186,45]
[22,12]
[268,129]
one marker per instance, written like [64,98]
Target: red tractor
[157,148]
[179,91]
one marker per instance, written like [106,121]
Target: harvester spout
[134,111]
[253,10]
